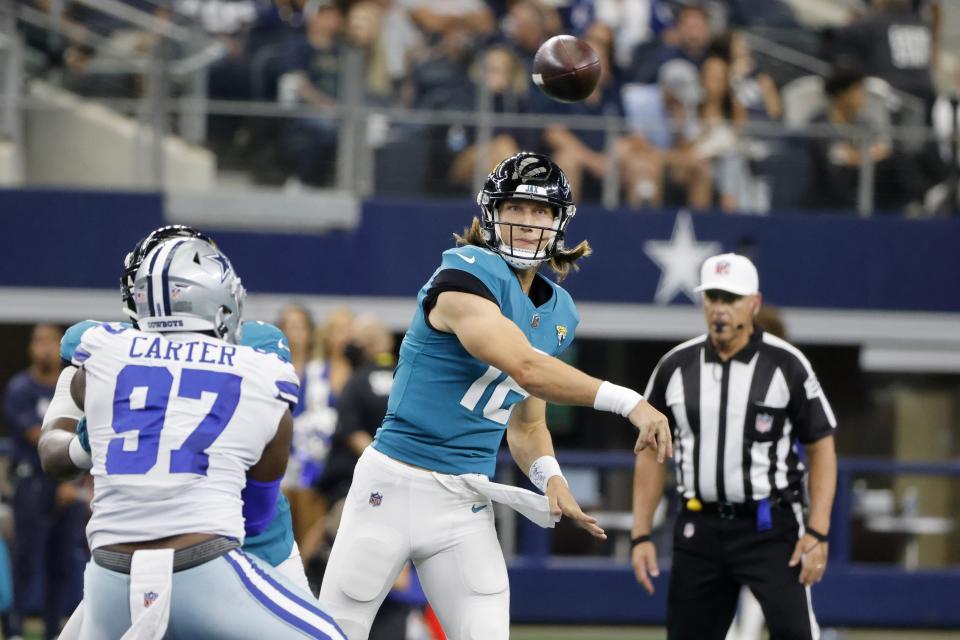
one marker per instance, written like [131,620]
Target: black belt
[731,510]
[186,558]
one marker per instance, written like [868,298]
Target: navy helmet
[527,176]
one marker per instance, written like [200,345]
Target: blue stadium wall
[75,239]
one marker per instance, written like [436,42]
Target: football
[566,68]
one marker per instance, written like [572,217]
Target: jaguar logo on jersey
[535,320]
[376,498]
[764,423]
[149,597]
[561,333]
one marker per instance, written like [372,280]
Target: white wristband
[80,458]
[616,399]
[542,469]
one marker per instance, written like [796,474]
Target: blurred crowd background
[733,105]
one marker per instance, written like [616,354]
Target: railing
[585,590]
[536,543]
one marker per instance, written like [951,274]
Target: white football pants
[394,513]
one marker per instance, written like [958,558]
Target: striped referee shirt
[736,423]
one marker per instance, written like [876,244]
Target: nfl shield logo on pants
[764,423]
[149,597]
[376,498]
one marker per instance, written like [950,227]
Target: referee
[739,400]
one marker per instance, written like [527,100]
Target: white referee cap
[729,272]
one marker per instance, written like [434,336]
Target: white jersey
[175,421]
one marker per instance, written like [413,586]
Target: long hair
[562,262]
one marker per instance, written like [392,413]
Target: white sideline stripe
[283,601]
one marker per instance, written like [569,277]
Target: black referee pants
[714,556]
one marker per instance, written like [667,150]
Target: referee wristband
[640,540]
[813,533]
[616,399]
[78,456]
[542,469]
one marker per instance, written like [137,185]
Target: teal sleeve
[266,337]
[483,264]
[83,435]
[71,338]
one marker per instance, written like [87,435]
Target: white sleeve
[62,404]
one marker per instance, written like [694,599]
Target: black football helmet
[133,260]
[528,176]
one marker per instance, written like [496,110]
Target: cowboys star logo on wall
[679,260]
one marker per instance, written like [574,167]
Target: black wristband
[639,540]
[813,533]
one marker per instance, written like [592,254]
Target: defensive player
[180,419]
[268,525]
[477,360]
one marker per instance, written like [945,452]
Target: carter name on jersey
[203,352]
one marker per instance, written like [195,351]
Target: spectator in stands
[506,80]
[436,17]
[440,79]
[749,95]
[754,89]
[315,415]
[528,25]
[312,71]
[360,410]
[96,36]
[364,31]
[401,39]
[48,516]
[630,22]
[836,159]
[892,43]
[688,40]
[721,115]
[362,405]
[666,117]
[582,154]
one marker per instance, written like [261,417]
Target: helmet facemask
[526,176]
[549,240]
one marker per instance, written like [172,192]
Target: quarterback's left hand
[563,503]
[812,555]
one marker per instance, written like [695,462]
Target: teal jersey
[274,543]
[447,410]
